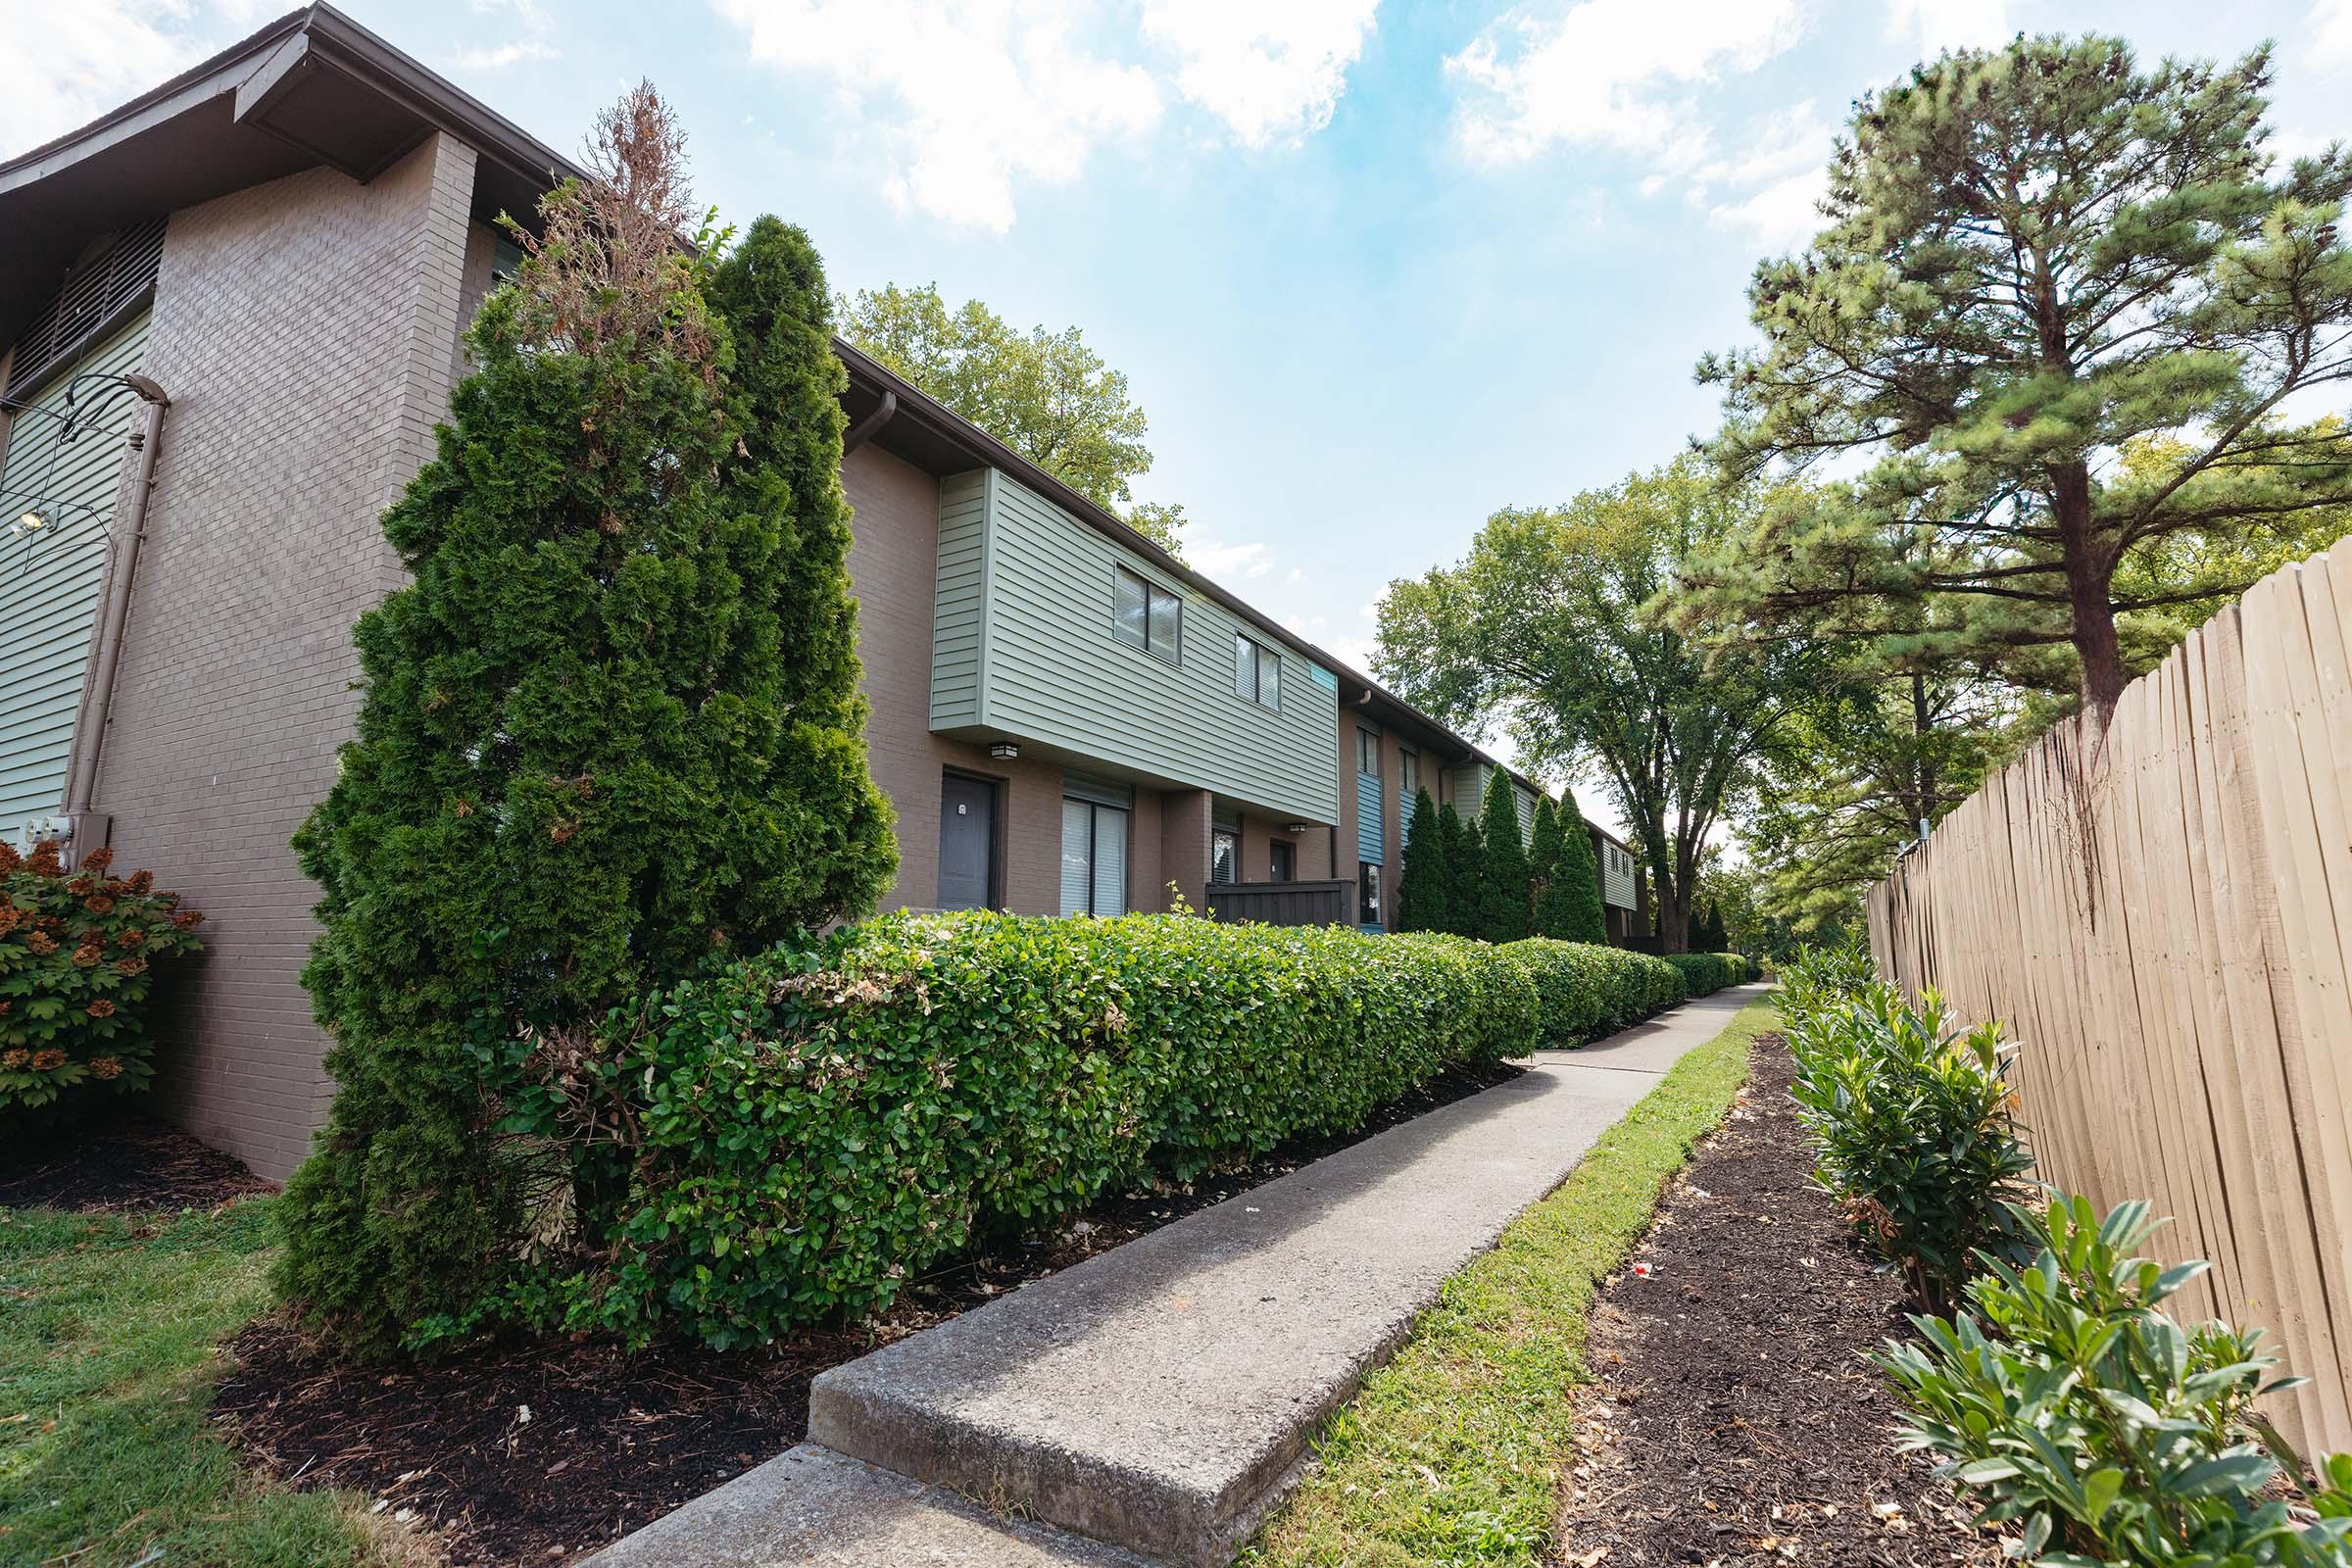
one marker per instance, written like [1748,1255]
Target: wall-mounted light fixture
[1296,827]
[1004,751]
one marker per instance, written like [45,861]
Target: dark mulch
[1732,1419]
[543,1452]
[128,1164]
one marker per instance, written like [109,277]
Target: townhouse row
[234,309]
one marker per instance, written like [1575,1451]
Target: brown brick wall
[305,331]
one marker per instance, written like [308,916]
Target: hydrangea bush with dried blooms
[77,956]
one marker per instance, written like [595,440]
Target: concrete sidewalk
[1160,1396]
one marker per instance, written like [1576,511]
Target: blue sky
[1374,270]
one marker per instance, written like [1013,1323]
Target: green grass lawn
[108,1331]
[1451,1454]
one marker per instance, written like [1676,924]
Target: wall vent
[117,278]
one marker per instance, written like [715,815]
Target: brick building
[235,309]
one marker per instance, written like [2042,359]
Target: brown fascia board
[328,36]
[949,443]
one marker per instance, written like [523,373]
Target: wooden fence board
[2164,923]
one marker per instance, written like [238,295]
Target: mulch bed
[1732,1419]
[547,1452]
[131,1164]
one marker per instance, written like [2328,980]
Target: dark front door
[1278,868]
[967,842]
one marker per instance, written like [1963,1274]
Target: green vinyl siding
[958,604]
[1616,875]
[1524,799]
[1035,658]
[50,577]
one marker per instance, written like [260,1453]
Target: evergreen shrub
[78,955]
[797,1135]
[1706,972]
[1585,990]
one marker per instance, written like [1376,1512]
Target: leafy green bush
[2072,1403]
[1912,1129]
[78,955]
[1823,976]
[796,1136]
[1704,973]
[1585,991]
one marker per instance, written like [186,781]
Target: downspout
[864,430]
[98,692]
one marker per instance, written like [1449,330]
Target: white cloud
[2327,35]
[1781,217]
[1227,563]
[1775,183]
[535,27]
[1270,72]
[1617,75]
[1932,27]
[969,96]
[75,62]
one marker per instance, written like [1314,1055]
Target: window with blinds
[1093,859]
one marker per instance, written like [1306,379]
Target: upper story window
[1144,613]
[1367,751]
[1257,672]
[1408,772]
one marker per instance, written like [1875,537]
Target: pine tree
[1422,887]
[591,757]
[1570,908]
[1502,908]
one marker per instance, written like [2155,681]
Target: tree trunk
[2087,586]
[1923,803]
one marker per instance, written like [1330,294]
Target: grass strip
[108,1333]
[1451,1454]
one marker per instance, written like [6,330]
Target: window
[1093,859]
[1257,672]
[1368,895]
[1367,751]
[1146,614]
[1408,772]
[1225,856]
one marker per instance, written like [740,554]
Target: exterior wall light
[1296,827]
[1004,751]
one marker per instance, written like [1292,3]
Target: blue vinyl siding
[1370,831]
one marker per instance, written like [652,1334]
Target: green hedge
[798,1136]
[1585,991]
[1703,973]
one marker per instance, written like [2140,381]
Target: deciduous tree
[1546,628]
[1045,394]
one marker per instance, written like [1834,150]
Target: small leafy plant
[1913,1129]
[78,955]
[2077,1408]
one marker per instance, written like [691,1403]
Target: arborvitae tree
[1570,907]
[1459,836]
[1421,889]
[1502,910]
[1542,858]
[1715,938]
[591,757]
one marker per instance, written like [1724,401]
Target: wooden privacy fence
[2165,927]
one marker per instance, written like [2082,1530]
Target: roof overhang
[313,88]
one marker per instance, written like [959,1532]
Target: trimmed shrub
[796,1136]
[1704,973]
[2071,1404]
[78,955]
[1912,1130]
[1585,990]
